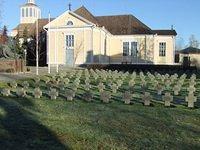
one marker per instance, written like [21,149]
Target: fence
[12,66]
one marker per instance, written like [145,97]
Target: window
[125,48]
[26,12]
[162,49]
[70,40]
[70,23]
[133,48]
[130,48]
[31,12]
[22,12]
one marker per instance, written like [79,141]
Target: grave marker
[167,98]
[191,99]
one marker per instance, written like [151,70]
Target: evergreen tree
[5,35]
[5,31]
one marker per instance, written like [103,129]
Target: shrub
[28,69]
[10,70]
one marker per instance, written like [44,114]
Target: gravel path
[6,77]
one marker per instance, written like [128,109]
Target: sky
[184,15]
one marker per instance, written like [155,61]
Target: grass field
[28,123]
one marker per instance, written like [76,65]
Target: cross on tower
[70,5]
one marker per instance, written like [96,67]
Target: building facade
[190,55]
[78,37]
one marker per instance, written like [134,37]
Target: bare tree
[180,43]
[30,46]
[193,42]
[146,48]
[150,49]
[78,49]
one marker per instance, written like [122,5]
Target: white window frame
[126,52]
[162,49]
[136,50]
[69,40]
[130,47]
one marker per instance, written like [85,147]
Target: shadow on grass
[144,130]
[19,130]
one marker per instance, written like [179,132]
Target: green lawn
[57,124]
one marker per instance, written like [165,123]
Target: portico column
[100,48]
[91,45]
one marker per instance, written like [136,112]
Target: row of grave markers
[114,80]
[105,96]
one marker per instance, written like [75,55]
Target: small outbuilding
[190,56]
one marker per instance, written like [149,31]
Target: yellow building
[78,37]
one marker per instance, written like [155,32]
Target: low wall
[12,66]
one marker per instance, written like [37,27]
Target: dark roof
[165,32]
[123,25]
[120,25]
[116,25]
[31,27]
[190,50]
[83,12]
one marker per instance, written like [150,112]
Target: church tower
[30,12]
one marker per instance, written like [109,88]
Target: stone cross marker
[127,96]
[53,94]
[159,89]
[21,92]
[119,83]
[25,85]
[37,93]
[6,92]
[167,84]
[87,86]
[70,94]
[147,98]
[176,89]
[191,99]
[131,83]
[109,82]
[114,88]
[13,85]
[167,98]
[88,96]
[74,87]
[101,87]
[105,96]
[76,82]
[192,83]
[87,81]
[191,89]
[66,81]
[62,85]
